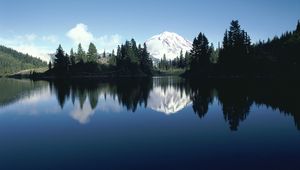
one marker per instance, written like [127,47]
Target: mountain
[167,43]
[12,61]
[167,100]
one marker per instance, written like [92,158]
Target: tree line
[238,57]
[180,62]
[129,60]
[133,59]
[184,61]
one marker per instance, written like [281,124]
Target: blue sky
[38,26]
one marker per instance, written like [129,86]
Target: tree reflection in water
[170,95]
[238,96]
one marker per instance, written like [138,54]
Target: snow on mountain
[167,43]
[167,100]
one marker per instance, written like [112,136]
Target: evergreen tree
[181,60]
[50,65]
[215,54]
[72,57]
[67,60]
[298,27]
[112,59]
[160,64]
[129,57]
[92,53]
[165,62]
[61,61]
[119,57]
[80,56]
[113,53]
[200,54]
[187,59]
[140,53]
[235,56]
[146,62]
[134,48]
[225,41]
[133,52]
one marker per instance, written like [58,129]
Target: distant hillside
[12,61]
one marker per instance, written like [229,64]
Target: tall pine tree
[61,61]
[200,54]
[80,56]
[235,56]
[298,27]
[92,53]
[146,62]
[181,60]
[72,57]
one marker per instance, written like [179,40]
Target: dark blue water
[159,123]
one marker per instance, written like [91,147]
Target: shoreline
[188,78]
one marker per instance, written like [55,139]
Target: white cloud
[50,38]
[108,42]
[19,39]
[27,37]
[80,34]
[27,44]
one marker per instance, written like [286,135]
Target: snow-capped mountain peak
[167,43]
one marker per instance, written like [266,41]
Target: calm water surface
[159,123]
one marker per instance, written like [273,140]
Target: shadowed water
[158,123]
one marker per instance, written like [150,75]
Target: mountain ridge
[12,61]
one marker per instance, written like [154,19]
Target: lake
[157,123]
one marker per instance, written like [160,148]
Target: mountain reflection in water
[168,95]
